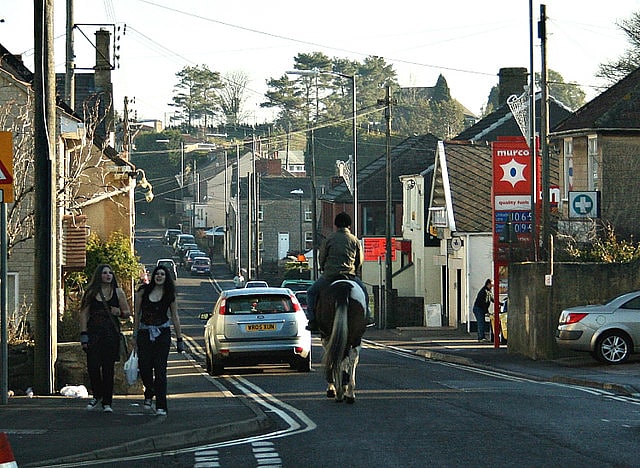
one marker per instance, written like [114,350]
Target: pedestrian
[154,303]
[481,307]
[340,256]
[103,304]
[238,280]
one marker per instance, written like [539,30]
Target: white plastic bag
[131,368]
[74,391]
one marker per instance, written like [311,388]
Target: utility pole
[69,77]
[388,286]
[46,273]
[532,138]
[544,130]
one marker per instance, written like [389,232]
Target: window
[260,214]
[592,161]
[439,216]
[568,167]
[307,216]
[308,237]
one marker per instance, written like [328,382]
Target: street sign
[584,204]
[6,167]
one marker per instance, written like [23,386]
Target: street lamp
[299,192]
[354,114]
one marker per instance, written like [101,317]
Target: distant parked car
[297,284]
[170,264]
[181,239]
[302,299]
[190,255]
[170,236]
[609,331]
[201,266]
[256,284]
[256,326]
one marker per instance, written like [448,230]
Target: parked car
[186,248]
[302,299]
[256,284]
[256,326]
[297,284]
[182,239]
[170,264]
[201,266]
[609,331]
[170,236]
[190,255]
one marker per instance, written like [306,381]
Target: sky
[467,41]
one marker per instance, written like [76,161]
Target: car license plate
[261,327]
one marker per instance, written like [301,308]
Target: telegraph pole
[544,130]
[69,78]
[45,277]
[388,286]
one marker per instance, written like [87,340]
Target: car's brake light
[223,307]
[573,318]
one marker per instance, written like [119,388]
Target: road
[409,412]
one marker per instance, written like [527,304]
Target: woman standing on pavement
[153,305]
[102,305]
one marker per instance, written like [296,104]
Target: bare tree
[17,118]
[620,67]
[232,97]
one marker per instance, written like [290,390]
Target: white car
[256,284]
[170,264]
[257,326]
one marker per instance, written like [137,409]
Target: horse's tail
[336,347]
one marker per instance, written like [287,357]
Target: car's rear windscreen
[259,304]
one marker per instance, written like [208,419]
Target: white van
[182,239]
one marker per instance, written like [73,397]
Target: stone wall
[70,369]
[534,308]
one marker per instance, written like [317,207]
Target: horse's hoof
[331,393]
[351,400]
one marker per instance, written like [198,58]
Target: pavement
[55,430]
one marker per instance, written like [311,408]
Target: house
[95,184]
[269,221]
[599,150]
[459,212]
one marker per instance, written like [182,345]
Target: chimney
[511,81]
[103,84]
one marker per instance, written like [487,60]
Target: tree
[195,94]
[629,61]
[17,118]
[569,94]
[428,110]
[231,97]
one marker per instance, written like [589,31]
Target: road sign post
[6,193]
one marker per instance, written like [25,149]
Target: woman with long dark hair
[103,304]
[154,303]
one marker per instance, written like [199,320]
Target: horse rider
[340,257]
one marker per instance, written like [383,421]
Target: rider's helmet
[342,220]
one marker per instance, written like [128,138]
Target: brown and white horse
[340,313]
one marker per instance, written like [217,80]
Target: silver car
[610,331]
[257,326]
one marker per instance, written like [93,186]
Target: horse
[340,313]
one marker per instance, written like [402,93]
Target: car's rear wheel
[613,347]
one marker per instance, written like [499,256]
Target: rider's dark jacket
[340,254]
